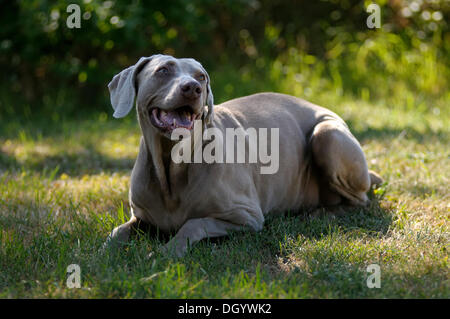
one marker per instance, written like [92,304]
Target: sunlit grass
[62,192]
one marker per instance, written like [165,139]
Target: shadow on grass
[7,161]
[81,156]
[88,161]
[282,233]
[389,133]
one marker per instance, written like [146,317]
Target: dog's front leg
[120,234]
[195,230]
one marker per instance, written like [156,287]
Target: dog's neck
[171,176]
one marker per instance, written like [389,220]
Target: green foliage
[299,47]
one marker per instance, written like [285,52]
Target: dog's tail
[375,179]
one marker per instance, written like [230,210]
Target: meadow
[65,163]
[64,186]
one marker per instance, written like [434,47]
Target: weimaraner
[320,162]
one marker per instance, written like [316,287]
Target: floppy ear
[209,102]
[122,88]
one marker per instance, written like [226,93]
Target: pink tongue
[182,119]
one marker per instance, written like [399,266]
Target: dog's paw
[172,249]
[161,250]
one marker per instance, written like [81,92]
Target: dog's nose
[191,89]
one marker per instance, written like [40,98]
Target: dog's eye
[201,77]
[162,70]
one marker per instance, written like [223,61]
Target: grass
[64,186]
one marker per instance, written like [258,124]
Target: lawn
[64,186]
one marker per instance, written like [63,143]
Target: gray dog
[320,162]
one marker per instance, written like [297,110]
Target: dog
[320,162]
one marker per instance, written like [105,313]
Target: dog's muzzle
[168,120]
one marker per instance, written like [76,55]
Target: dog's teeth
[174,122]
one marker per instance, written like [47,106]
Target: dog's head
[170,93]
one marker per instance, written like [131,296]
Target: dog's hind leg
[341,161]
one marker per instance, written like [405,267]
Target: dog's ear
[122,88]
[210,103]
[209,100]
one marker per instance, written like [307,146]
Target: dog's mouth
[167,121]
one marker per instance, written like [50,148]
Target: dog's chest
[168,215]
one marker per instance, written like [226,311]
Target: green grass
[64,186]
